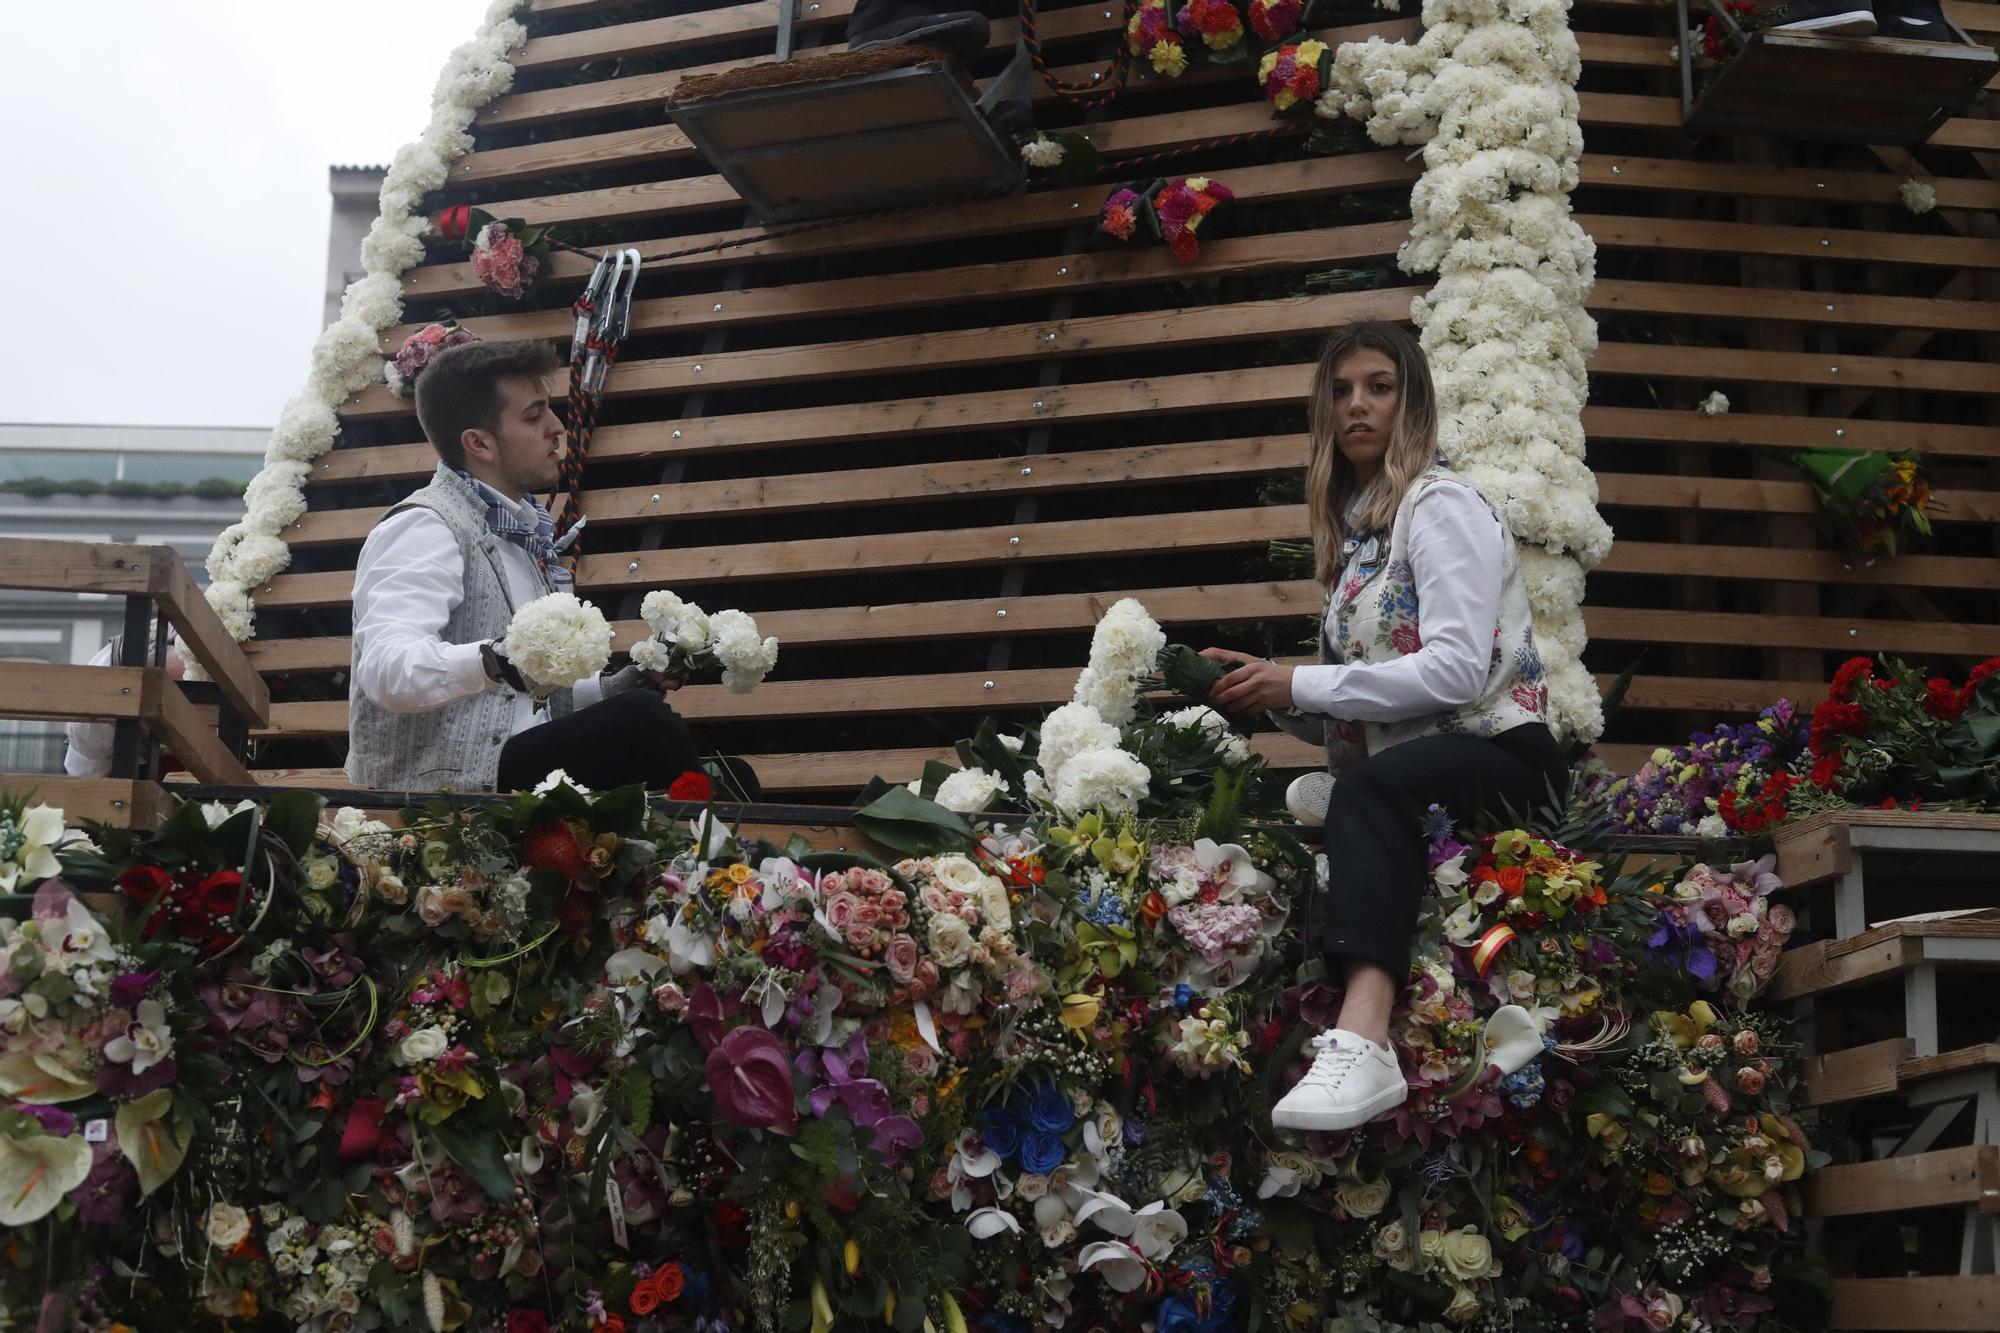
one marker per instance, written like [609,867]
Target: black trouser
[1376,853]
[630,737]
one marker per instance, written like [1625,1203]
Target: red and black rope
[1088,92]
[580,414]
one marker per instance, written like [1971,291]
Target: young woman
[1430,692]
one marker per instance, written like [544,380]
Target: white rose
[950,940]
[226,1226]
[994,905]
[1362,1198]
[1466,1253]
[959,872]
[422,1045]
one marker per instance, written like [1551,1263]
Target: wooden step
[1884,1068]
[1922,1180]
[1887,951]
[116,801]
[1821,847]
[1916,1303]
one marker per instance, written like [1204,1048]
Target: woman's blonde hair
[1330,480]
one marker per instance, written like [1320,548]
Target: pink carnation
[502,264]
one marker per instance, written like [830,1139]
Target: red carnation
[1826,769]
[454,222]
[1942,700]
[692,785]
[1852,672]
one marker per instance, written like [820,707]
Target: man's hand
[632,676]
[1257,685]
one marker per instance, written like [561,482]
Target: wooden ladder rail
[147,709]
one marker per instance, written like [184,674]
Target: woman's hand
[1256,686]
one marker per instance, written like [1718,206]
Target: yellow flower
[1685,1029]
[1602,1126]
[445,1093]
[1079,1011]
[739,873]
[1169,59]
[850,1258]
[1512,844]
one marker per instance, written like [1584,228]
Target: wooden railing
[205,725]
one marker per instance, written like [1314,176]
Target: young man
[433,701]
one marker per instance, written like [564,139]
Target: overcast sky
[164,219]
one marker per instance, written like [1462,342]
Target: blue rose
[1179,1313]
[1041,1153]
[999,1130]
[1047,1108]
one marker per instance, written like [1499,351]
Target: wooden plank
[1098,335]
[791,492]
[1812,851]
[120,802]
[205,640]
[1916,1304]
[1985,1055]
[1938,1179]
[701,27]
[1799,566]
[1680,175]
[1813,969]
[1832,308]
[194,743]
[1827,370]
[1618,232]
[704,311]
[1045,209]
[1863,1071]
[59,692]
[1829,634]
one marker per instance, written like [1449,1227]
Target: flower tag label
[616,1205]
[96,1131]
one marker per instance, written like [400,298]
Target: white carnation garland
[1490,91]
[347,356]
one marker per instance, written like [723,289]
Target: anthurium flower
[41,827]
[41,1079]
[752,1081]
[36,1172]
[153,1137]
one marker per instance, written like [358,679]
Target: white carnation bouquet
[557,640]
[686,639]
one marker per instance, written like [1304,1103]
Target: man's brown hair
[460,390]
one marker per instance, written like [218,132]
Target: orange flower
[1512,880]
[668,1281]
[645,1298]
[1153,906]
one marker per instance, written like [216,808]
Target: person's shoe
[1917,20]
[737,781]
[1352,1080]
[1829,18]
[911,22]
[1307,797]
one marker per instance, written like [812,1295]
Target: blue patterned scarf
[536,537]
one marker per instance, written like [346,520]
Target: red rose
[527,1321]
[1825,769]
[732,1226]
[692,785]
[143,884]
[219,895]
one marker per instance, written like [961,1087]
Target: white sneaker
[1307,797]
[1352,1080]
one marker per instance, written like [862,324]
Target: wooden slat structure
[928,449]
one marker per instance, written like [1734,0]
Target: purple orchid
[866,1100]
[131,988]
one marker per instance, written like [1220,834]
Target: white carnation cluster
[1490,91]
[1714,405]
[1042,152]
[557,640]
[1125,646]
[347,357]
[1918,196]
[685,638]
[967,791]
[1230,748]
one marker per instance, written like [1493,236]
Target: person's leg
[1375,850]
[957,26]
[631,737]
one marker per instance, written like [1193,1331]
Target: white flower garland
[1490,91]
[347,356]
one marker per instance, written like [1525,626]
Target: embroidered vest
[458,745]
[1372,616]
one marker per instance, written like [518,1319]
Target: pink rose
[841,909]
[923,1062]
[901,956]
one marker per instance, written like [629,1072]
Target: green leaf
[637,1086]
[476,1149]
[294,817]
[896,817]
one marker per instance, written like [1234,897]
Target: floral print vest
[1372,616]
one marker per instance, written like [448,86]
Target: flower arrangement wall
[1490,93]
[561,1061]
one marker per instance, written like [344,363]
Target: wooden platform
[1863,90]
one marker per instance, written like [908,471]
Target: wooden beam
[1950,1176]
[1863,1071]
[64,693]
[116,801]
[1916,1304]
